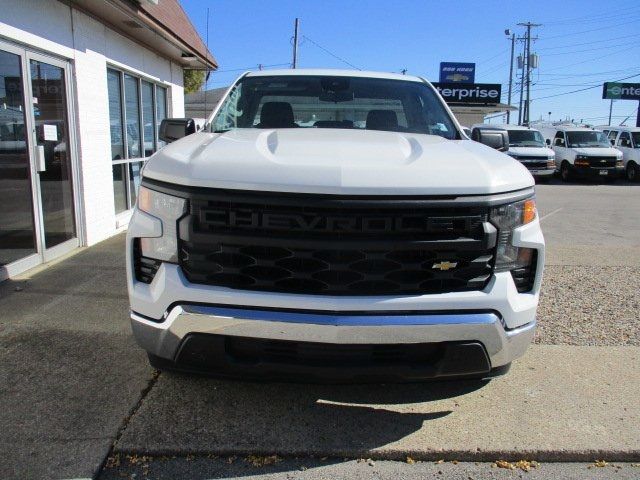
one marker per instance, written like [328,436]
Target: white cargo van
[583,152]
[527,146]
[627,140]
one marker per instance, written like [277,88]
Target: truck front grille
[602,162]
[318,244]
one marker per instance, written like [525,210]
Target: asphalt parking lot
[79,400]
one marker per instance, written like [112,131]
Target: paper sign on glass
[50,133]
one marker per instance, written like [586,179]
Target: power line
[593,18]
[591,49]
[588,88]
[331,53]
[544,49]
[252,67]
[591,59]
[589,31]
[572,75]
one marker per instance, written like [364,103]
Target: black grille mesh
[305,246]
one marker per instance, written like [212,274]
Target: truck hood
[597,151]
[542,152]
[336,161]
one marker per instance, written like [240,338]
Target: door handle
[41,164]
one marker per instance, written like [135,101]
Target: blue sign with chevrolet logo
[457,72]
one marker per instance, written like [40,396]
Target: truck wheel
[632,172]
[565,171]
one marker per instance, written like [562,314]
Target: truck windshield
[636,139]
[525,138]
[298,101]
[587,139]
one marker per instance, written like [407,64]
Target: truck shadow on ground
[200,415]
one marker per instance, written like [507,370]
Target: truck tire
[633,173]
[565,171]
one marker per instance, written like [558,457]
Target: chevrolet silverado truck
[330,225]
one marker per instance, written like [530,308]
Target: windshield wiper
[222,130]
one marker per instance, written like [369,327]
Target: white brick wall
[52,27]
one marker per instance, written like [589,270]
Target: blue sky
[580,43]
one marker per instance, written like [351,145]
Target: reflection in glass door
[17,227]
[52,158]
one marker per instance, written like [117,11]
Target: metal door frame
[42,254]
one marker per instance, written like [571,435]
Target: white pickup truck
[333,225]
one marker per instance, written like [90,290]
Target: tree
[193,80]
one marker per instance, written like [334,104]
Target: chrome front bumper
[163,339]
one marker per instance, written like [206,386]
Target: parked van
[583,152]
[527,146]
[627,140]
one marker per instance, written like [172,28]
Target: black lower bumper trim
[274,360]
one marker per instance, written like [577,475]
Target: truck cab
[583,152]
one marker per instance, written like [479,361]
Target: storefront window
[132,114]
[136,108]
[161,110]
[115,114]
[147,119]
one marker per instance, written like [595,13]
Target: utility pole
[521,66]
[295,43]
[527,59]
[513,44]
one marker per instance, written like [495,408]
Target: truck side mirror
[498,139]
[613,142]
[548,142]
[559,142]
[172,129]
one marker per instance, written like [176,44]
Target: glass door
[19,241]
[37,217]
[48,85]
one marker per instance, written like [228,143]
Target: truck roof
[571,128]
[619,128]
[333,73]
[502,126]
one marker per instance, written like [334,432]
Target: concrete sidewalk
[69,369]
[558,403]
[74,382]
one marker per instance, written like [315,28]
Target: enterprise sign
[623,91]
[470,93]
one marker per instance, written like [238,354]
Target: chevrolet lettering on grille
[247,219]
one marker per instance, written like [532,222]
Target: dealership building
[83,87]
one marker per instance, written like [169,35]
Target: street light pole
[513,43]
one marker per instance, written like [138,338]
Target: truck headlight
[168,209]
[506,218]
[551,161]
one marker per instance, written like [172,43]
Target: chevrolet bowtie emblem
[445,265]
